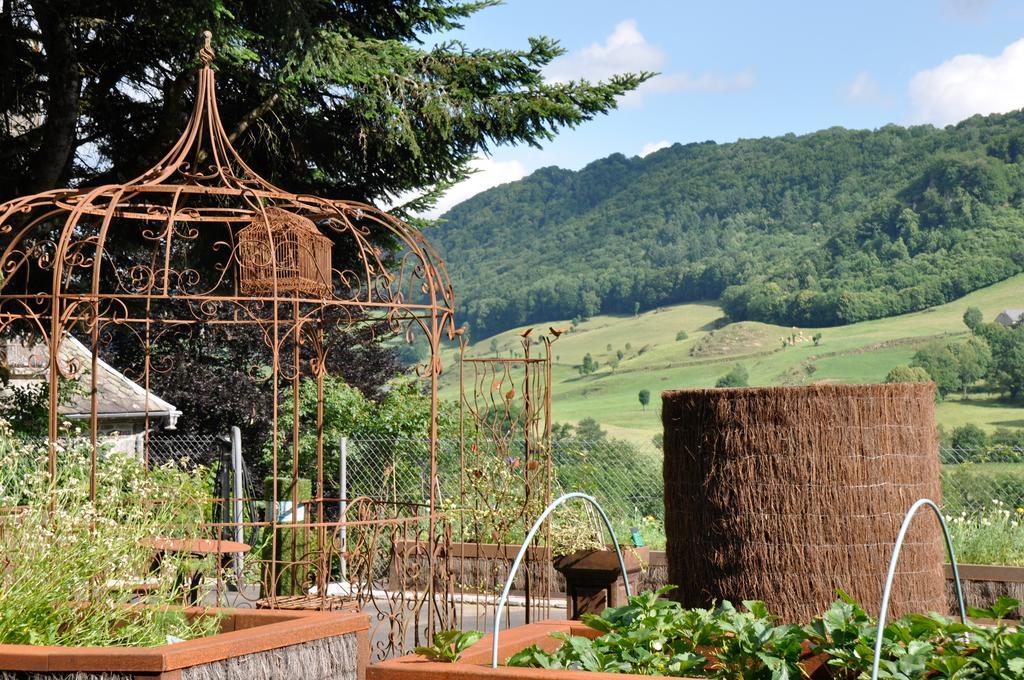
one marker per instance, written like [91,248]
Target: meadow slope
[655,360]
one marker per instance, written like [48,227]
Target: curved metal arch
[891,574]
[526,544]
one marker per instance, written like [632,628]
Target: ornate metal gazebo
[214,244]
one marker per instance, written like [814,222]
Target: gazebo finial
[206,51]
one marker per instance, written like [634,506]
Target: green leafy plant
[449,645]
[654,636]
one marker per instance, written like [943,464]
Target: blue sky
[743,68]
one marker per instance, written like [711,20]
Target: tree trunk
[64,82]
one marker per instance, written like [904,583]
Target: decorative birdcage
[285,252]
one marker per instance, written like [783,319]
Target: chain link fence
[625,477]
[975,480]
[186,449]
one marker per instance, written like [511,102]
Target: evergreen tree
[340,99]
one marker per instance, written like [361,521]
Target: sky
[732,69]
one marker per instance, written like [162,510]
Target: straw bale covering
[786,494]
[330,658]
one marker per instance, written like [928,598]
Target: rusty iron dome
[283,250]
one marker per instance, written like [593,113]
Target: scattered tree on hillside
[940,363]
[494,346]
[973,357]
[681,335]
[973,318]
[737,377]
[645,398]
[589,365]
[816,339]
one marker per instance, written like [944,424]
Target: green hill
[829,228]
[655,360]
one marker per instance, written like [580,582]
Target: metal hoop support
[526,543]
[887,591]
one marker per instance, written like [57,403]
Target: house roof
[1013,313]
[118,395]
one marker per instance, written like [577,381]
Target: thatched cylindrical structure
[788,494]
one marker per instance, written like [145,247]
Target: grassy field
[655,360]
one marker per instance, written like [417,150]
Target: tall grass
[68,563]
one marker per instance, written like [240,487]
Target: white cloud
[968,84]
[651,147]
[487,173]
[864,90]
[627,50]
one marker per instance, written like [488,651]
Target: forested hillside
[822,229]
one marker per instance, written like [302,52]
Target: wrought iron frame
[59,278]
[505,413]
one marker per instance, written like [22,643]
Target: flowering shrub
[69,564]
[993,536]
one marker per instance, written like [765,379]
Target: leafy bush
[970,486]
[70,562]
[653,636]
[499,510]
[737,377]
[400,422]
[998,453]
[904,373]
[1006,436]
[968,436]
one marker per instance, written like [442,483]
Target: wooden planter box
[983,584]
[263,644]
[475,663]
[593,578]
